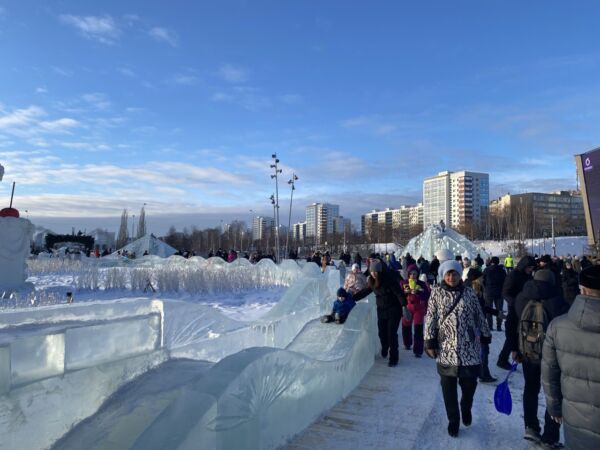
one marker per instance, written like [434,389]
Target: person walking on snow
[391,307]
[509,263]
[454,327]
[493,280]
[417,293]
[543,293]
[513,284]
[571,366]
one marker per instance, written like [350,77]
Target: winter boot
[453,429]
[467,418]
[532,435]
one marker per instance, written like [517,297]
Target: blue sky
[179,105]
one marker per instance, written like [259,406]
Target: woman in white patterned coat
[454,327]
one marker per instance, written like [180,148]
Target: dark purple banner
[591,175]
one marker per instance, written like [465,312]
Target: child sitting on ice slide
[341,307]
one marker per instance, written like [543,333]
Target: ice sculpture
[272,377]
[433,239]
[15,240]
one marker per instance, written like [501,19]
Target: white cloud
[373,124]
[164,35]
[233,74]
[126,71]
[62,71]
[99,28]
[222,97]
[41,90]
[185,79]
[27,122]
[98,100]
[291,99]
[20,117]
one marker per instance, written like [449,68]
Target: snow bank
[565,245]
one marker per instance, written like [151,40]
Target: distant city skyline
[111,106]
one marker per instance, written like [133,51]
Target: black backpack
[532,331]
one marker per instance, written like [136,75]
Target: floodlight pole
[291,182]
[277,172]
[12,194]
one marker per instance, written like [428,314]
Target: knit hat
[444,254]
[447,266]
[375,266]
[473,274]
[355,266]
[545,275]
[590,277]
[341,292]
[412,268]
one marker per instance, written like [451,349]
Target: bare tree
[123,235]
[141,231]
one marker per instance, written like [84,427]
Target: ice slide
[259,396]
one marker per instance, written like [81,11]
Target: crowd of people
[547,307]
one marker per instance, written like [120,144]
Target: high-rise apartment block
[457,198]
[319,220]
[262,228]
[299,231]
[393,224]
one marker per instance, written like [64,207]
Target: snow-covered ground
[565,245]
[403,408]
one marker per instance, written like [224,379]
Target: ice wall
[15,240]
[57,370]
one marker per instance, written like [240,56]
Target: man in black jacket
[493,281]
[542,288]
[391,306]
[513,284]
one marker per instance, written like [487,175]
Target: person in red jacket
[417,293]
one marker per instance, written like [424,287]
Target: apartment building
[319,220]
[262,227]
[535,210]
[457,198]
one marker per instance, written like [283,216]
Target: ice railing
[42,343]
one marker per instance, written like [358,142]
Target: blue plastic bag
[502,397]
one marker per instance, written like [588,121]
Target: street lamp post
[273,202]
[291,182]
[275,166]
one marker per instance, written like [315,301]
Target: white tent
[151,244]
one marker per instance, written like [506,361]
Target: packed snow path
[402,407]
